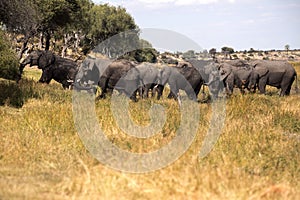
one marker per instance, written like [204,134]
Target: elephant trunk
[209,82]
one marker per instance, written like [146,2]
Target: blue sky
[241,24]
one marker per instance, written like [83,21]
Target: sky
[240,24]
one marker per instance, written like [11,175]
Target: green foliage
[56,14]
[18,16]
[213,52]
[190,54]
[146,55]
[107,21]
[251,50]
[60,19]
[8,60]
[142,55]
[227,50]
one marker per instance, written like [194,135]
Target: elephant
[121,75]
[56,64]
[39,58]
[234,76]
[91,69]
[63,73]
[182,77]
[279,74]
[149,74]
[208,70]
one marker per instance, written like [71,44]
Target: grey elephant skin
[91,70]
[208,70]
[62,72]
[121,75]
[149,77]
[184,77]
[279,74]
[235,74]
[60,69]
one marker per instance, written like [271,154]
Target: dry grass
[42,157]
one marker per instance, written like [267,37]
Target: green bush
[8,59]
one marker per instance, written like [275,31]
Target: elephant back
[121,68]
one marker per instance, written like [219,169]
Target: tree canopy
[62,20]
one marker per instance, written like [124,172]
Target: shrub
[8,59]
[234,56]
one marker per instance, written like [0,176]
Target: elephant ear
[46,59]
[225,71]
[261,71]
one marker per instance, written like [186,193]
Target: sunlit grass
[42,157]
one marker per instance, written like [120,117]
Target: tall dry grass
[41,155]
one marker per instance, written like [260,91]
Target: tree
[61,17]
[8,59]
[78,23]
[287,48]
[205,53]
[46,19]
[251,50]
[189,54]
[144,53]
[19,17]
[107,21]
[213,52]
[228,50]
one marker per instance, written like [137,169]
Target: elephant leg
[286,86]
[194,93]
[288,91]
[65,86]
[103,93]
[197,90]
[146,92]
[141,91]
[159,89]
[229,89]
[133,96]
[103,83]
[262,86]
[173,93]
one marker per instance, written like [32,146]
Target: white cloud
[157,4]
[194,2]
[161,3]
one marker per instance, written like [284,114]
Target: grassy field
[42,157]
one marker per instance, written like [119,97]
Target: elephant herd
[138,79]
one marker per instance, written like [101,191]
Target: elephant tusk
[179,99]
[79,87]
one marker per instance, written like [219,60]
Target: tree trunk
[67,38]
[24,47]
[48,38]
[41,42]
